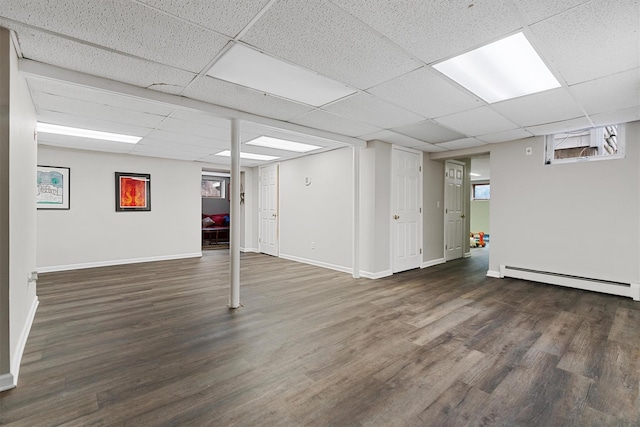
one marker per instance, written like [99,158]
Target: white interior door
[454,210]
[268,239]
[406,210]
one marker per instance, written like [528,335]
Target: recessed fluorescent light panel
[85,133]
[282,144]
[501,70]
[247,67]
[248,156]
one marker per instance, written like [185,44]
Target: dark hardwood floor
[154,344]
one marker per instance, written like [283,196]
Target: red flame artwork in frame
[133,192]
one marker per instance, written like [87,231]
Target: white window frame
[596,134]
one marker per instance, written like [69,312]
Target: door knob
[274,215]
[462,216]
[396,217]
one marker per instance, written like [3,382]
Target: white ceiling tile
[97,111]
[548,106]
[64,53]
[615,117]
[370,109]
[184,127]
[434,30]
[563,126]
[202,118]
[84,143]
[227,94]
[166,152]
[323,120]
[392,137]
[592,40]
[480,121]
[510,135]
[429,148]
[462,143]
[325,39]
[123,26]
[429,131]
[537,10]
[426,92]
[611,93]
[195,143]
[84,93]
[73,120]
[226,17]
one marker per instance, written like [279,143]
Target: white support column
[356,213]
[234,232]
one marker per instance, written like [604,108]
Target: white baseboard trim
[493,273]
[7,382]
[378,275]
[254,250]
[317,263]
[109,263]
[466,255]
[432,262]
[22,340]
[584,283]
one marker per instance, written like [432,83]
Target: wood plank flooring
[154,344]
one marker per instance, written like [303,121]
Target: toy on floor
[477,240]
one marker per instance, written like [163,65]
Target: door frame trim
[420,205]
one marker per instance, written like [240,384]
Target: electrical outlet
[438,204]
[528,151]
[313,245]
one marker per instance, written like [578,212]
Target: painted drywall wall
[319,214]
[433,202]
[21,206]
[93,233]
[249,211]
[578,218]
[6,378]
[368,235]
[213,206]
[480,216]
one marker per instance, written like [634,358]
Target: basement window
[481,191]
[606,142]
[213,188]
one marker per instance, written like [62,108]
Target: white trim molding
[252,250]
[432,262]
[116,262]
[7,382]
[22,340]
[317,263]
[378,275]
[493,273]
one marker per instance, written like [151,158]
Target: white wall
[249,211]
[321,212]
[480,216]
[18,300]
[433,202]
[92,233]
[579,218]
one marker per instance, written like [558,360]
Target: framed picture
[52,187]
[133,192]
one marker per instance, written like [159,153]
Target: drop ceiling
[382,51]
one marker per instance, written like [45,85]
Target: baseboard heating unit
[631,290]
